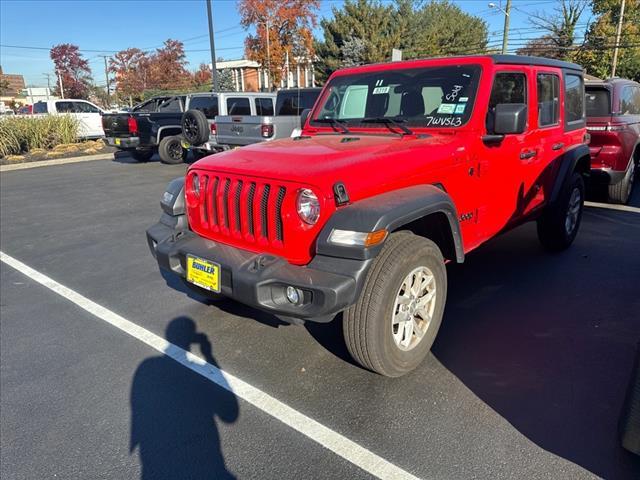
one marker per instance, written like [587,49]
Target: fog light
[293,295]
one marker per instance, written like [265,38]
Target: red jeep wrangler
[400,168]
[613,121]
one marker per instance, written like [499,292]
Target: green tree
[365,31]
[596,55]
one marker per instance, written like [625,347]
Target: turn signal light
[363,239]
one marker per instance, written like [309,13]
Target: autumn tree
[73,69]
[596,54]
[168,67]
[202,76]
[543,46]
[287,24]
[4,86]
[131,70]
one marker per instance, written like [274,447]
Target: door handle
[528,154]
[557,146]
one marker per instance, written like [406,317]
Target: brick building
[249,76]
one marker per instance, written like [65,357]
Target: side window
[548,87]
[65,107]
[84,107]
[287,104]
[207,105]
[171,105]
[508,87]
[574,100]
[40,107]
[238,106]
[264,107]
[630,101]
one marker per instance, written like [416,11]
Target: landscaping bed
[65,150]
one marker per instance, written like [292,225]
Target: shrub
[22,134]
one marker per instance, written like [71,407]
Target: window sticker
[463,99]
[460,108]
[379,90]
[446,108]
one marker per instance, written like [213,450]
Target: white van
[89,115]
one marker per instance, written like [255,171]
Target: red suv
[613,120]
[400,168]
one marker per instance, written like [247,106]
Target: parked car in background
[199,125]
[239,130]
[89,116]
[25,110]
[613,121]
[401,167]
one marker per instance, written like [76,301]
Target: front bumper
[328,285]
[124,143]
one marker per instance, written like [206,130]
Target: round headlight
[195,184]
[308,206]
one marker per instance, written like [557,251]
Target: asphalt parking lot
[526,378]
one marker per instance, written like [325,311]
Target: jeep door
[504,157]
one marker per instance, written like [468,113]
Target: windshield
[418,97]
[598,102]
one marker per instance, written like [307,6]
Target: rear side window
[65,107]
[548,86]
[574,100]
[630,101]
[238,106]
[40,107]
[207,105]
[295,101]
[598,102]
[264,107]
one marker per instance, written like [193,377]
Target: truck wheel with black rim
[195,127]
[391,328]
[142,154]
[621,191]
[559,224]
[171,151]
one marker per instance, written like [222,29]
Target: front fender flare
[389,211]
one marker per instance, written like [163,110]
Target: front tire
[171,151]
[559,224]
[391,328]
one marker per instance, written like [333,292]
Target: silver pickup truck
[238,130]
[199,125]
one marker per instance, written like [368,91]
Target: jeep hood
[366,164]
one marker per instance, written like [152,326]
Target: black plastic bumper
[327,285]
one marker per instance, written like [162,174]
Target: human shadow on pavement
[547,341]
[174,412]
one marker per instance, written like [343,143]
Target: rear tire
[171,151]
[142,154]
[391,327]
[195,127]
[621,191]
[559,224]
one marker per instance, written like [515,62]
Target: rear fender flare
[390,211]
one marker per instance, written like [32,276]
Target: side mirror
[304,116]
[510,118]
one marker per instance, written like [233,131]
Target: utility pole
[60,83]
[214,71]
[48,75]
[268,54]
[106,74]
[505,31]
[618,32]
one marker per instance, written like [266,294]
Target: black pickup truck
[152,126]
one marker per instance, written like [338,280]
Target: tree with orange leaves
[287,24]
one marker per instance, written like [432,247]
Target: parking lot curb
[59,161]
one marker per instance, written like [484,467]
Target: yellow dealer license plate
[117,141]
[203,273]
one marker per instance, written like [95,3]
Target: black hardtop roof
[529,60]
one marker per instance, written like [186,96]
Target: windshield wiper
[398,123]
[334,122]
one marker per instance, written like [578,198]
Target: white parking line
[612,206]
[347,449]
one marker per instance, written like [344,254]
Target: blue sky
[111,25]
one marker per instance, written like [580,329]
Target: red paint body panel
[491,185]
